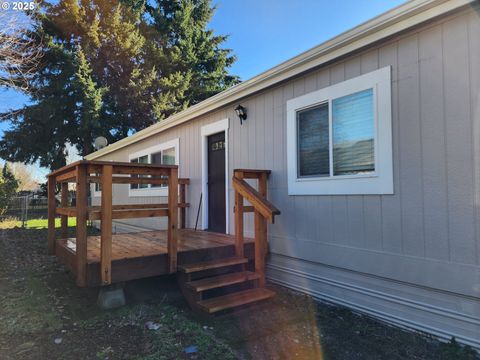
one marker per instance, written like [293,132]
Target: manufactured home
[369,146]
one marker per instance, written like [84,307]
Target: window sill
[357,185]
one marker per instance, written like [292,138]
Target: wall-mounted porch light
[241,113]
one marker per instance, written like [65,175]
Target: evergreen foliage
[8,188]
[111,68]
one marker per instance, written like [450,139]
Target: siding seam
[402,238]
[472,134]
[420,120]
[445,145]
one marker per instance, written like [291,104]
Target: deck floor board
[151,243]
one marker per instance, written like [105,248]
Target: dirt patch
[45,316]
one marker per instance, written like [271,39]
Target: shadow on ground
[44,315]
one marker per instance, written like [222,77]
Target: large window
[162,154]
[339,138]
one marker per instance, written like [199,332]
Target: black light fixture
[241,113]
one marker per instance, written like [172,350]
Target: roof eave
[383,26]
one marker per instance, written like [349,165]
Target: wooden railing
[108,173]
[263,211]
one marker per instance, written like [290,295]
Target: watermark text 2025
[18,5]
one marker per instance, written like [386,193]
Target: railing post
[260,230]
[81,233]
[262,189]
[106,226]
[51,214]
[64,218]
[172,219]
[183,209]
[239,248]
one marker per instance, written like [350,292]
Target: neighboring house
[373,139]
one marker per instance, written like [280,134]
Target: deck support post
[239,247]
[260,231]
[81,230]
[172,220]
[106,226]
[51,214]
[64,218]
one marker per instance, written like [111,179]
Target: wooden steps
[222,280]
[236,299]
[220,284]
[214,264]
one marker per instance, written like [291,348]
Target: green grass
[27,307]
[34,223]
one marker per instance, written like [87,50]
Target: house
[373,142]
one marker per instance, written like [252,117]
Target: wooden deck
[144,254]
[204,262]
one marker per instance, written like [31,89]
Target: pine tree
[194,66]
[111,69]
[8,188]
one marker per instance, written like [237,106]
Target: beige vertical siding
[412,257]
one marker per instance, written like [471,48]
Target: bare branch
[19,54]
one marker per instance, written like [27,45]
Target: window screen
[313,142]
[353,133]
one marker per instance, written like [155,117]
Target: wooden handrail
[251,173]
[263,210]
[259,203]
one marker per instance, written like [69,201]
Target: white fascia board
[400,18]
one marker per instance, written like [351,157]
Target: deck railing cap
[73,165]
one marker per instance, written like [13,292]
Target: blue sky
[263,33]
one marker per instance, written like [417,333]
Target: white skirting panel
[443,314]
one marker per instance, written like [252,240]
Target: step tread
[222,280]
[236,299]
[213,264]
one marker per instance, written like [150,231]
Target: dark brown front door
[216,183]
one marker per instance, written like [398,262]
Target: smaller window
[162,154]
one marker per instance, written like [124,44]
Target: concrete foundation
[110,297]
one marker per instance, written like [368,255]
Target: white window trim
[380,182]
[163,191]
[205,132]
